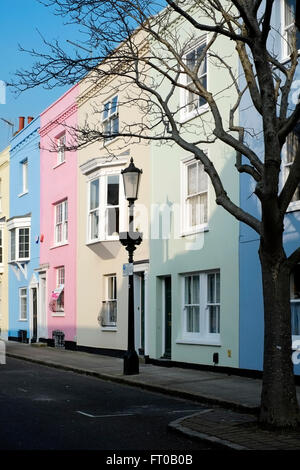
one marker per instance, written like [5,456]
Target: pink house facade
[58,219]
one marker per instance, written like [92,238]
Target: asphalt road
[48,409]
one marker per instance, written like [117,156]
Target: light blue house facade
[24,233]
[251,324]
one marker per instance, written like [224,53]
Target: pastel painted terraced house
[194,308]
[23,226]
[58,212]
[4,214]
[102,289]
[251,297]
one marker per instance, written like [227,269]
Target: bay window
[104,208]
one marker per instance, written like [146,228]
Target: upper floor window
[24,176]
[110,118]
[289,12]
[195,60]
[104,208]
[201,306]
[61,222]
[20,244]
[291,146]
[194,197]
[61,143]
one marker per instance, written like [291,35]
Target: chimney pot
[29,119]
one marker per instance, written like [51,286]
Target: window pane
[113,190]
[94,224]
[24,243]
[290,11]
[114,105]
[217,288]
[192,179]
[196,287]
[115,125]
[291,147]
[192,320]
[13,244]
[94,194]
[295,283]
[295,310]
[211,288]
[105,110]
[214,319]
[112,221]
[187,290]
[202,179]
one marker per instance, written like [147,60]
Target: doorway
[167,309]
[34,315]
[139,311]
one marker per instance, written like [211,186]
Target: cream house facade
[102,290]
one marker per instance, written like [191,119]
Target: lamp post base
[131,363]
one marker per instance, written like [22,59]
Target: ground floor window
[295,300]
[201,305]
[109,306]
[23,303]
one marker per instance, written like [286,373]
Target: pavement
[229,421]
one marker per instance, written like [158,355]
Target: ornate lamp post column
[131,179]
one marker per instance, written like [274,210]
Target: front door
[168,316]
[34,315]
[139,312]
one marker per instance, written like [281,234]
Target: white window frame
[107,121]
[204,336]
[186,228]
[63,223]
[23,296]
[103,208]
[60,276]
[285,31]
[111,325]
[17,257]
[61,143]
[24,164]
[293,205]
[185,113]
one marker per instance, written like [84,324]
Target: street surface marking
[105,416]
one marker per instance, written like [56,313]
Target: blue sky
[19,21]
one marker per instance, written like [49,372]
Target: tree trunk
[279,406]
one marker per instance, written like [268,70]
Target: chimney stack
[29,119]
[21,123]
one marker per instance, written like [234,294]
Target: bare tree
[139,42]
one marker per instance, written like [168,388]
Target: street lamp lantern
[131,179]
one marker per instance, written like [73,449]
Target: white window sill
[293,206]
[58,314]
[101,240]
[23,194]
[185,117]
[199,229]
[199,341]
[58,164]
[109,328]
[110,141]
[23,319]
[21,261]
[58,245]
[1,268]
[286,59]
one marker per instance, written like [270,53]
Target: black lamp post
[131,179]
